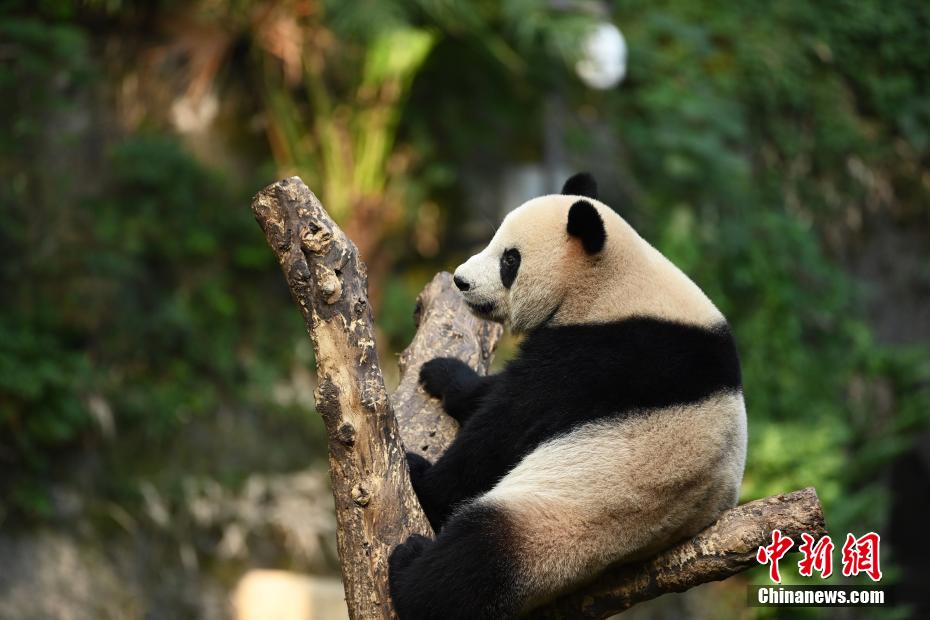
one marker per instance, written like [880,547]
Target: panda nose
[461,284]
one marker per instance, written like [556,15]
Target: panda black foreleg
[457,384]
[465,573]
[464,471]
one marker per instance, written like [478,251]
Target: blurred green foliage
[136,302]
[42,378]
[754,143]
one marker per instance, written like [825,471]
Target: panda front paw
[405,553]
[438,375]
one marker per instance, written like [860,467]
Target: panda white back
[618,429]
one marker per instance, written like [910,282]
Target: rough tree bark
[375,504]
[376,508]
[445,328]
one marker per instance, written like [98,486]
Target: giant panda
[618,429]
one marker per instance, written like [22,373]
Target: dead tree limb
[375,504]
[376,508]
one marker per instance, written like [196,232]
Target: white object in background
[603,57]
[283,595]
[195,114]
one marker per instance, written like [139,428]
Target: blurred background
[159,451]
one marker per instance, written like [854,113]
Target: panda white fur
[618,430]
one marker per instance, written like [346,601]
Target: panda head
[546,251]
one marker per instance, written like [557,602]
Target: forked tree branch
[376,508]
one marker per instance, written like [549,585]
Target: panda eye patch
[510,264]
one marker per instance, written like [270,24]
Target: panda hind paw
[405,553]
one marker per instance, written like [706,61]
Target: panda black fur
[617,430]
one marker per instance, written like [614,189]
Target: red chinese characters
[817,557]
[771,554]
[861,555]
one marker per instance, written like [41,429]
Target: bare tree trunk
[375,504]
[376,508]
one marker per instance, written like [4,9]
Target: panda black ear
[585,223]
[581,184]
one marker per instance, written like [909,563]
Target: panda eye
[510,264]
